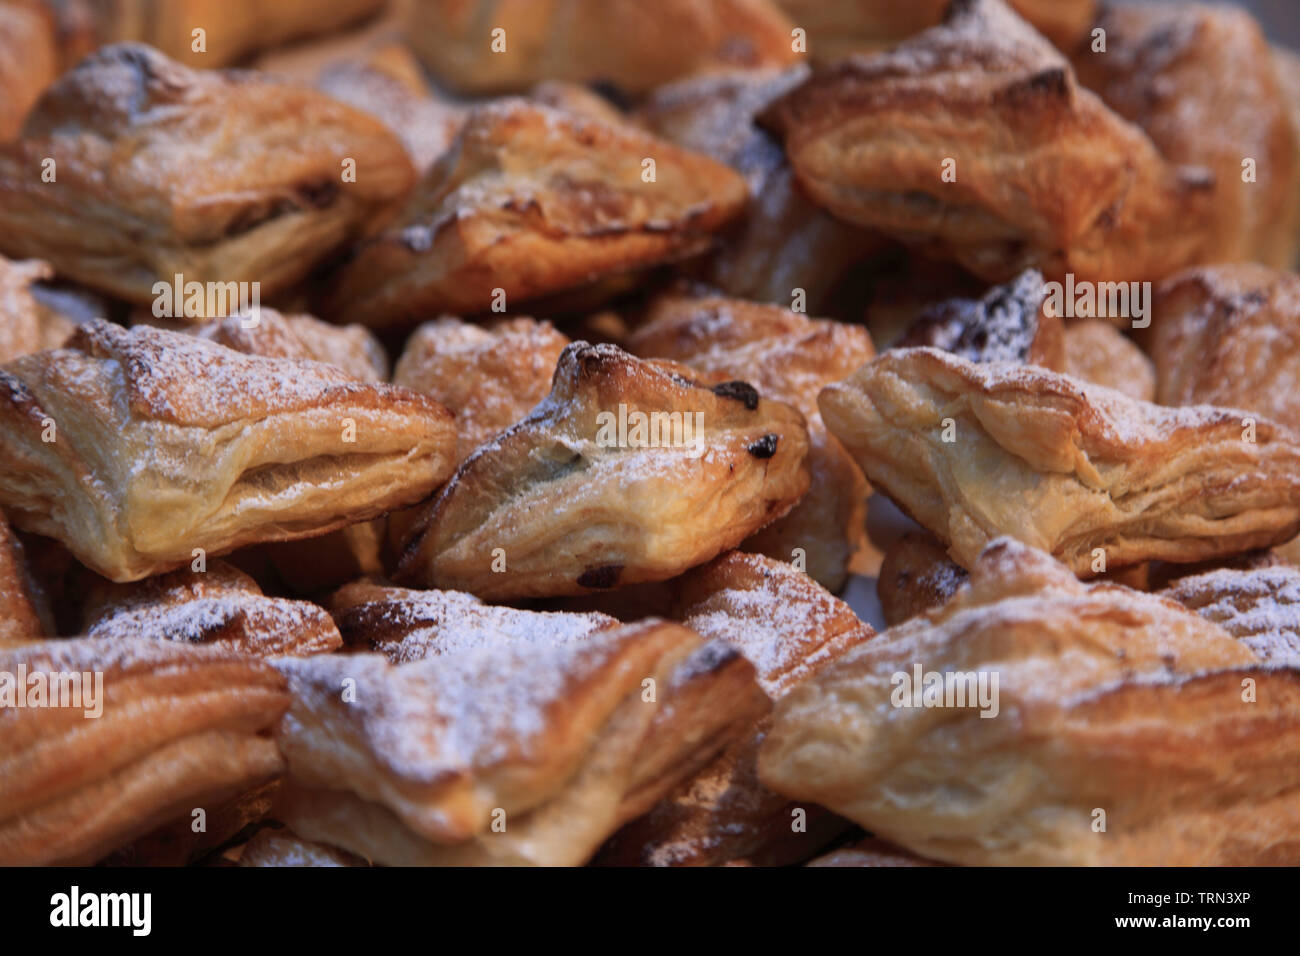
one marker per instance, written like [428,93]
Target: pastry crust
[578,498]
[1258,606]
[788,357]
[73,789]
[619,41]
[1200,80]
[534,201]
[1107,699]
[28,62]
[1097,352]
[219,605]
[916,576]
[129,129]
[552,736]
[789,628]
[869,138]
[25,326]
[1062,465]
[490,376]
[20,621]
[871,852]
[282,847]
[1229,335]
[164,443]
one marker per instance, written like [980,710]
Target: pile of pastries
[458,432]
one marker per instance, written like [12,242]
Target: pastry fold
[73,788]
[530,202]
[973,452]
[217,177]
[508,749]
[136,447]
[1121,729]
[870,140]
[628,471]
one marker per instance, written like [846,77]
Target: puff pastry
[916,576]
[1260,606]
[21,619]
[869,140]
[28,62]
[789,627]
[556,740]
[1201,82]
[163,443]
[620,41]
[870,852]
[220,605]
[72,789]
[534,201]
[788,357]
[25,326]
[1122,731]
[784,242]
[595,489]
[1097,352]
[1229,335]
[129,131]
[977,451]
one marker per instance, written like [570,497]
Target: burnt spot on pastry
[764,448]
[602,578]
[738,391]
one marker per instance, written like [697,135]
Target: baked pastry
[270,847]
[520,749]
[21,618]
[973,452]
[219,605]
[619,41]
[784,244]
[1258,606]
[28,62]
[1200,80]
[1097,352]
[628,471]
[1229,335]
[178,843]
[406,625]
[129,130]
[1009,323]
[871,139]
[488,376]
[916,576]
[25,326]
[789,628]
[788,357]
[136,447]
[528,202]
[871,852]
[72,789]
[577,98]
[1132,732]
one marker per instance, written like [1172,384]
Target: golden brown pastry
[136,447]
[577,98]
[1200,80]
[28,62]
[625,42]
[1009,323]
[219,177]
[219,605]
[973,452]
[270,847]
[20,613]
[489,376]
[916,576]
[514,749]
[1066,724]
[790,358]
[789,628]
[784,246]
[176,728]
[528,202]
[872,139]
[1097,352]
[1229,335]
[1258,606]
[628,471]
[178,843]
[26,326]
[871,852]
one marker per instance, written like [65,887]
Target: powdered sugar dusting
[1259,607]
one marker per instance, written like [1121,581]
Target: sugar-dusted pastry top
[352,348]
[1259,606]
[1097,352]
[1099,480]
